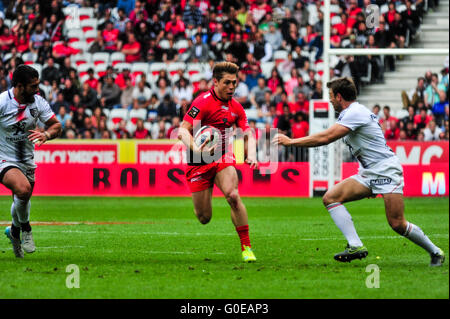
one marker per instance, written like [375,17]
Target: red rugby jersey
[221,114]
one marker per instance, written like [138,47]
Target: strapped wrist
[47,135]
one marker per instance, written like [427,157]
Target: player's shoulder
[203,98]
[4,99]
[39,101]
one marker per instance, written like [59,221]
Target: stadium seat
[156,67]
[80,45]
[81,58]
[100,58]
[84,78]
[194,68]
[138,114]
[334,8]
[38,67]
[152,114]
[29,57]
[266,68]
[106,111]
[86,13]
[335,20]
[90,36]
[252,114]
[117,57]
[122,65]
[100,69]
[139,68]
[174,67]
[280,55]
[164,44]
[383,9]
[195,80]
[366,79]
[75,35]
[182,46]
[116,115]
[83,68]
[88,24]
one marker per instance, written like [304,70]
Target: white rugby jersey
[15,122]
[365,140]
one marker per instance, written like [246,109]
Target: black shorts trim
[3,172]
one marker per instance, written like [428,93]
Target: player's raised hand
[37,137]
[281,139]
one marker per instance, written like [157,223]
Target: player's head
[26,80]
[225,79]
[342,91]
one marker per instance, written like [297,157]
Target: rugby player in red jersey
[218,109]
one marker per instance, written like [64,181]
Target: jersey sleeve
[196,112]
[353,119]
[45,112]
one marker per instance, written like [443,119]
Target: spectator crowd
[278,45]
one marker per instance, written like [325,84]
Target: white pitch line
[55,247]
[231,234]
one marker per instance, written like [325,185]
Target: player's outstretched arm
[53,130]
[328,136]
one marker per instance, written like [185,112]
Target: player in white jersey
[379,172]
[20,109]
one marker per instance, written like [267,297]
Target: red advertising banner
[290,179]
[424,153]
[77,153]
[161,153]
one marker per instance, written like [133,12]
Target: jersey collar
[216,97]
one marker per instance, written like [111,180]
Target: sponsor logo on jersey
[19,127]
[381,181]
[34,112]
[224,107]
[193,112]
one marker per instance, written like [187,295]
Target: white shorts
[385,177]
[27,170]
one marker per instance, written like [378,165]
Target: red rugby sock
[243,236]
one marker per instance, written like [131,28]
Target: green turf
[174,256]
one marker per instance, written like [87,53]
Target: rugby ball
[207,132]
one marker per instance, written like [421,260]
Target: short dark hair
[224,67]
[343,86]
[24,74]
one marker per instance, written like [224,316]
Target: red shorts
[202,177]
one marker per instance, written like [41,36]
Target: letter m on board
[433,186]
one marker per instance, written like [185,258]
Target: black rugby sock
[25,226]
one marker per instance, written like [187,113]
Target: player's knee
[328,199]
[233,198]
[204,219]
[23,191]
[398,225]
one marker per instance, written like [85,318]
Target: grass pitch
[155,248]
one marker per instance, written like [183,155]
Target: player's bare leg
[22,190]
[227,181]
[203,205]
[395,208]
[346,191]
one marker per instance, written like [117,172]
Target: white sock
[22,209]
[417,236]
[344,222]
[15,219]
